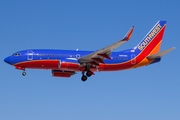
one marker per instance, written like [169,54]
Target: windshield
[16,54]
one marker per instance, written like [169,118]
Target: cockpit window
[17,54]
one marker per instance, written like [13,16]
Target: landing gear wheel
[89,73]
[84,78]
[24,73]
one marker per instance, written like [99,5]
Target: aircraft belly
[48,64]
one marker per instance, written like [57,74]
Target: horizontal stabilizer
[160,54]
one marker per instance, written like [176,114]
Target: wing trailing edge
[160,54]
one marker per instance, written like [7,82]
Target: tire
[88,73]
[84,78]
[24,73]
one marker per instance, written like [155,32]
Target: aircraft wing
[99,56]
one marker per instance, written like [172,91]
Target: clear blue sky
[147,93]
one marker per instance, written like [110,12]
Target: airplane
[65,63]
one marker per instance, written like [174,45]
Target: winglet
[160,54]
[128,35]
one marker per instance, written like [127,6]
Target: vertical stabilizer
[152,41]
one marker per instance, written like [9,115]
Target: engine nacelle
[60,73]
[69,64]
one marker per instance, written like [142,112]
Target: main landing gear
[88,74]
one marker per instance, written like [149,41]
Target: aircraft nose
[7,60]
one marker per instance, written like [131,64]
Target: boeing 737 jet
[65,63]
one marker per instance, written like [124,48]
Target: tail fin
[152,41]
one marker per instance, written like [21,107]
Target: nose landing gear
[21,68]
[24,73]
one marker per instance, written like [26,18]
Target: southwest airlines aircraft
[65,63]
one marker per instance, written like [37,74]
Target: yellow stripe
[31,61]
[41,60]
